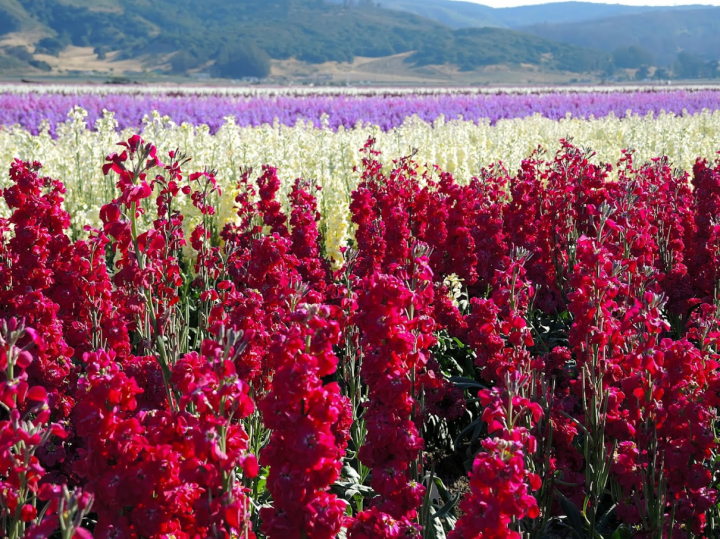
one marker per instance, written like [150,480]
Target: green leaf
[442,489]
[605,520]
[622,533]
[351,473]
[445,509]
[467,431]
[437,528]
[351,490]
[451,364]
[466,383]
[577,520]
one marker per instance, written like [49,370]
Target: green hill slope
[664,33]
[501,46]
[462,14]
[455,14]
[238,37]
[574,12]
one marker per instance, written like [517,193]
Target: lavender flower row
[30,109]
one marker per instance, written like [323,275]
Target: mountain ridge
[234,38]
[463,14]
[665,33]
[245,38]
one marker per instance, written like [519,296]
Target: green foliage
[465,14]
[690,66]
[244,59]
[8,62]
[242,35]
[21,53]
[661,74]
[182,61]
[642,73]
[632,57]
[12,16]
[500,46]
[455,14]
[39,64]
[101,51]
[571,12]
[51,46]
[8,23]
[663,32]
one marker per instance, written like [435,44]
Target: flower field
[387,109]
[434,328]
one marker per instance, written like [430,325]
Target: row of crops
[387,109]
[451,326]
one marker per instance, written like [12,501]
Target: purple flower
[387,111]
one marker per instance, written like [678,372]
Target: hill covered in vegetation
[236,38]
[463,14]
[665,34]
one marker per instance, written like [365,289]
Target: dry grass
[392,70]
[84,59]
[27,38]
[395,70]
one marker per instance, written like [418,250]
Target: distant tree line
[242,59]
[686,65]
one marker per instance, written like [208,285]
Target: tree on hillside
[182,61]
[661,74]
[642,73]
[632,57]
[52,45]
[242,59]
[690,66]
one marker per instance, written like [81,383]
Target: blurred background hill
[336,41]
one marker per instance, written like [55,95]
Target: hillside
[663,33]
[234,38]
[455,14]
[460,14]
[573,12]
[508,47]
[682,39]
